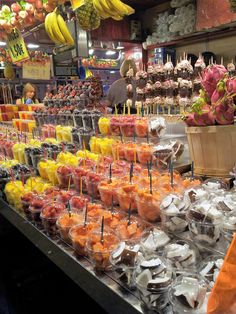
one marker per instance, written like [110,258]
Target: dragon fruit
[211,76]
[204,117]
[231,85]
[224,112]
[219,91]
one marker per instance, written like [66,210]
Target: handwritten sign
[77,4]
[16,46]
[36,70]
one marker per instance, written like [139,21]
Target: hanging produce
[112,8]
[23,14]
[87,17]
[8,71]
[57,29]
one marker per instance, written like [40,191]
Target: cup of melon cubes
[66,221]
[148,204]
[79,234]
[99,248]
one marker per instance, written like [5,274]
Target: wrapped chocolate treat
[168,70]
[158,72]
[150,72]
[185,69]
[157,127]
[153,279]
[140,100]
[199,66]
[185,88]
[141,77]
[231,68]
[163,155]
[198,69]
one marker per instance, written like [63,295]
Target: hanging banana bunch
[115,9]
[57,29]
[87,17]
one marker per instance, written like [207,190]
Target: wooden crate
[213,149]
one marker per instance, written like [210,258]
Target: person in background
[29,95]
[117,94]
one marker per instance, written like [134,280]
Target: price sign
[77,3]
[16,46]
[36,70]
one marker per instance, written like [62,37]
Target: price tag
[16,46]
[77,4]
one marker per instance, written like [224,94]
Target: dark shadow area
[32,284]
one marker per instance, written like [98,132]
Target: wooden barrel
[213,149]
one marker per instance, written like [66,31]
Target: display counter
[103,288]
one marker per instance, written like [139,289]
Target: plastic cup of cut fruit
[79,234]
[92,181]
[126,197]
[79,175]
[115,124]
[130,150]
[26,199]
[108,192]
[128,126]
[141,127]
[78,203]
[99,249]
[104,125]
[35,209]
[49,216]
[131,230]
[113,218]
[66,221]
[118,150]
[95,211]
[145,153]
[148,205]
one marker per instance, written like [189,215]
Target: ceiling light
[32,46]
[91,51]
[2,43]
[110,52]
[112,72]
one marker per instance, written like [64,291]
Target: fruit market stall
[136,209]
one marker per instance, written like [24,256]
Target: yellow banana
[64,30]
[105,6]
[99,9]
[48,28]
[117,17]
[120,7]
[56,30]
[129,9]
